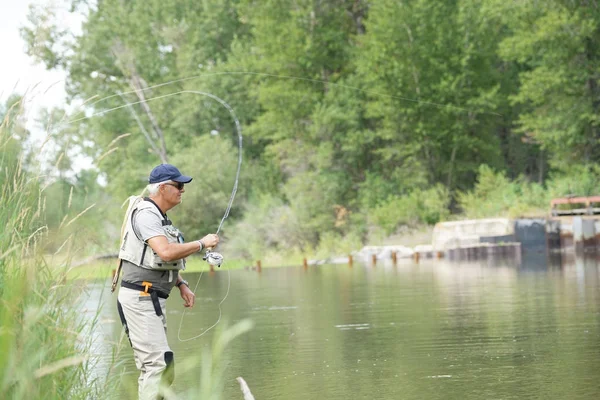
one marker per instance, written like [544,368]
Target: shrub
[418,207]
[494,195]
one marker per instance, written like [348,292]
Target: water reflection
[436,330]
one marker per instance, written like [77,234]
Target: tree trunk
[139,85]
[126,63]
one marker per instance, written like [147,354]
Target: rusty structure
[575,206]
[574,224]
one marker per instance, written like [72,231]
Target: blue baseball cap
[167,172]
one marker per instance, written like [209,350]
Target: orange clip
[146,285]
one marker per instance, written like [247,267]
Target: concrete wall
[452,234]
[567,233]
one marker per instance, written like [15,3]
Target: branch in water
[245,388]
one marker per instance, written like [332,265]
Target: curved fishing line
[298,78]
[233,192]
[227,210]
[212,96]
[220,311]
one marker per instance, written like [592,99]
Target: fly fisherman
[152,254]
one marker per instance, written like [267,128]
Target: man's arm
[175,251]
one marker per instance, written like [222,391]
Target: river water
[434,330]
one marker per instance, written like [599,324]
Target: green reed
[45,344]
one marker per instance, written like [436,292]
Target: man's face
[172,192]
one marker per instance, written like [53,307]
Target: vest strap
[143,253]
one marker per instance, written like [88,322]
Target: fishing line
[231,197]
[264,74]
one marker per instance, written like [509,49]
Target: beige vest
[138,252]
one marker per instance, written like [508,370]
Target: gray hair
[152,188]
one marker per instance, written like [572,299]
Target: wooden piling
[350,261]
[416,256]
[258,266]
[394,258]
[374,259]
[305,263]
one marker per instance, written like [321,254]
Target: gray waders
[143,317]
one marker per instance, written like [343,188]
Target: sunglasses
[178,185]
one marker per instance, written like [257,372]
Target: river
[433,330]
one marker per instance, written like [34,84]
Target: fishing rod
[211,256]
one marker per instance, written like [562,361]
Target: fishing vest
[138,252]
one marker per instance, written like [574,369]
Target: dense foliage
[358,116]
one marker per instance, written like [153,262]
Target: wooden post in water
[305,263]
[394,258]
[374,259]
[416,256]
[258,266]
[212,268]
[350,261]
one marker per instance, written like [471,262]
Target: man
[152,255]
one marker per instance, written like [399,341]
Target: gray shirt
[146,226]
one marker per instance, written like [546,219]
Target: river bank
[104,266]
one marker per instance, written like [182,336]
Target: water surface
[436,330]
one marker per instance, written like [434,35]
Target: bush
[580,180]
[418,207]
[494,195]
[333,243]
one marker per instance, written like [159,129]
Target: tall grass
[45,343]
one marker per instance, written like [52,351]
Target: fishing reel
[213,258]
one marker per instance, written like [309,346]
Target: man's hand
[189,298]
[210,240]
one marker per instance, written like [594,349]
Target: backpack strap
[166,220]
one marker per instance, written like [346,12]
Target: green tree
[557,44]
[443,109]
